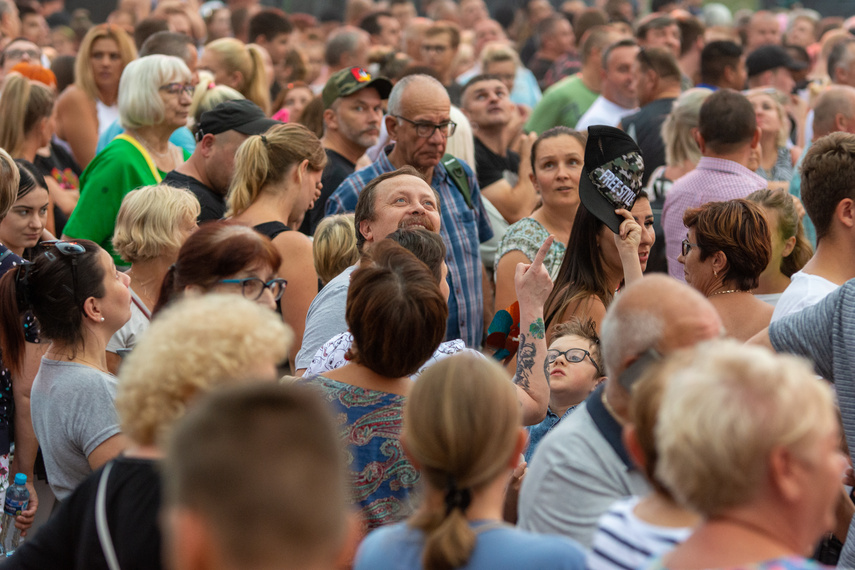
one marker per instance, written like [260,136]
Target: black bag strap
[458,176]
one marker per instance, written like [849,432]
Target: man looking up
[353,111]
[419,122]
[618,96]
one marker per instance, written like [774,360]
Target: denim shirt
[539,431]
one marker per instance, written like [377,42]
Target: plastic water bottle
[17,499]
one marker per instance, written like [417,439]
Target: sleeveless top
[271,229]
[107,115]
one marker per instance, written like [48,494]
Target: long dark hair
[48,288]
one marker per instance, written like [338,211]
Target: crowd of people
[428,284]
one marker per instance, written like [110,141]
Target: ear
[330,120]
[534,183]
[92,310]
[719,261]
[845,212]
[755,140]
[519,448]
[365,230]
[784,475]
[696,134]
[633,447]
[789,246]
[235,80]
[193,290]
[840,122]
[191,544]
[207,145]
[597,381]
[391,127]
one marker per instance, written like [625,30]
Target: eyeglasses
[20,53]
[425,130]
[574,355]
[68,249]
[687,247]
[252,287]
[178,89]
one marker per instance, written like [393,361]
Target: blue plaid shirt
[463,230]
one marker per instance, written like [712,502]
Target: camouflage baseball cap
[349,81]
[611,177]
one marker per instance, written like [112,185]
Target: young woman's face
[557,168]
[766,111]
[106,62]
[643,216]
[295,101]
[23,225]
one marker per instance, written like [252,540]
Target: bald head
[834,111]
[657,312]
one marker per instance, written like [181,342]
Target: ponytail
[251,172]
[12,306]
[255,84]
[449,540]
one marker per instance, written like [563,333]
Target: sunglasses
[68,249]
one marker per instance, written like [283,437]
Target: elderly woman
[790,248]
[396,313]
[775,160]
[153,223]
[170,368]
[682,154]
[726,250]
[227,258]
[750,441]
[90,104]
[154,99]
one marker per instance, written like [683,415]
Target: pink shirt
[713,180]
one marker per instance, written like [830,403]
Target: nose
[681,258]
[267,299]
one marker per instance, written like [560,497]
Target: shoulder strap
[101,520]
[458,175]
[271,229]
[133,142]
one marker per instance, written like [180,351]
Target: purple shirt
[713,180]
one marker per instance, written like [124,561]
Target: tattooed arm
[533,286]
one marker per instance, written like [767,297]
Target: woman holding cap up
[608,246]
[277,178]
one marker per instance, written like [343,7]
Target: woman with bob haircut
[171,367]
[750,440]
[791,249]
[277,178]
[154,99]
[224,257]
[463,432]
[396,313]
[727,248]
[334,246]
[238,66]
[152,225]
[597,263]
[90,104]
[79,300]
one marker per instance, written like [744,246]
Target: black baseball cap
[611,177]
[239,115]
[769,57]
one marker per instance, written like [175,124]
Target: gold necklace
[728,291]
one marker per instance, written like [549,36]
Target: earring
[102,319]
[715,273]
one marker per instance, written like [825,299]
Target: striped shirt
[713,180]
[463,230]
[625,542]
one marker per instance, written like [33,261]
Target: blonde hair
[334,246]
[208,95]
[193,346]
[680,144]
[149,220]
[10,179]
[778,99]
[265,159]
[461,421]
[84,77]
[248,60]
[23,105]
[724,413]
[496,52]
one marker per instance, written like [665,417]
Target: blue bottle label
[14,508]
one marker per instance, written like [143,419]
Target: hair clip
[211,85]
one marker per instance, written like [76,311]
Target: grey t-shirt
[325,318]
[73,413]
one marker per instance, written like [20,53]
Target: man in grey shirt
[397,199]
[581,467]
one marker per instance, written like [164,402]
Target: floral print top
[527,235]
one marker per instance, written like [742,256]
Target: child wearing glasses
[575,368]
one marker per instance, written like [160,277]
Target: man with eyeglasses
[438,50]
[419,122]
[582,467]
[20,50]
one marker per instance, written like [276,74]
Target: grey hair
[627,332]
[396,97]
[342,41]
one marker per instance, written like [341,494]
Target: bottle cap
[20,479]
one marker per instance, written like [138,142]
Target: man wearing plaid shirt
[727,134]
[419,123]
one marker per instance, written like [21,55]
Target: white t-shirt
[603,112]
[624,541]
[804,290]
